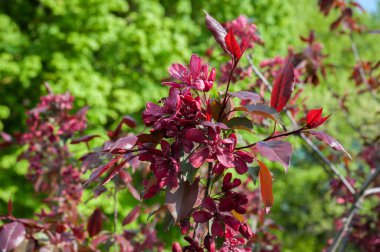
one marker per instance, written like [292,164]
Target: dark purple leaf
[100,170]
[95,223]
[282,87]
[196,135]
[277,151]
[127,120]
[132,215]
[83,139]
[217,31]
[202,216]
[11,235]
[180,201]
[329,140]
[114,172]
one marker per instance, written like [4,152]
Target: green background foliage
[112,55]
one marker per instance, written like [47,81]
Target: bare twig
[302,135]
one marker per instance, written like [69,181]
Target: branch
[287,133]
[355,52]
[361,194]
[228,86]
[303,136]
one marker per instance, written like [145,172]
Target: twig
[302,135]
[353,211]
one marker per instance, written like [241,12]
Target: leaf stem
[228,86]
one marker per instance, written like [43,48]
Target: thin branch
[115,215]
[355,52]
[287,133]
[353,211]
[302,135]
[371,191]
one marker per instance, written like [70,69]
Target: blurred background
[112,56]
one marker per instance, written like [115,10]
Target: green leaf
[266,111]
[242,123]
[188,171]
[254,173]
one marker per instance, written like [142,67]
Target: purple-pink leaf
[277,151]
[5,136]
[282,87]
[329,140]
[180,201]
[11,235]
[122,144]
[132,216]
[217,31]
[246,96]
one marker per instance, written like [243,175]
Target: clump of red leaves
[194,152]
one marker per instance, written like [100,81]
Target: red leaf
[95,223]
[329,140]
[277,151]
[314,118]
[266,186]
[11,235]
[180,201]
[232,45]
[83,139]
[199,157]
[283,87]
[217,31]
[132,215]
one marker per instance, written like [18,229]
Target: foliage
[77,56]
